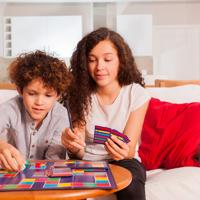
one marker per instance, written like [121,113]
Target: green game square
[10,186]
[11,172]
[53,179]
[90,184]
[88,170]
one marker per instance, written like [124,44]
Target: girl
[107,91]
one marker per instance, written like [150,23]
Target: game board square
[10,186]
[87,179]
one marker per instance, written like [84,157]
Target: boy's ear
[19,90]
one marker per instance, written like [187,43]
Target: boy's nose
[39,101]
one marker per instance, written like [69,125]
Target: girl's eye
[108,60]
[91,60]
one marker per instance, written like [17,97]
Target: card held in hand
[101,135]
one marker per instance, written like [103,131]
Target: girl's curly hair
[82,85]
[52,71]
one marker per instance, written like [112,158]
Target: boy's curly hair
[79,94]
[51,70]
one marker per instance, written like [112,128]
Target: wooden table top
[121,175]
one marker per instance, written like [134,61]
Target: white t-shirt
[113,116]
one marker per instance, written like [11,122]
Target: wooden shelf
[7,36]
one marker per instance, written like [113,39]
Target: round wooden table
[121,175]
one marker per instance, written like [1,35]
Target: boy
[34,120]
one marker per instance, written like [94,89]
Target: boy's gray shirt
[44,143]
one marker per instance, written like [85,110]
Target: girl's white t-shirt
[113,116]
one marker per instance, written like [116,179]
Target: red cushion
[171,135]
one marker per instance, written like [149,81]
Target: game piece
[37,165]
[27,163]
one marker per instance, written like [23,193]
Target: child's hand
[72,141]
[116,148]
[10,157]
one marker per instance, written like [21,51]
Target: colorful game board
[69,174]
[101,135]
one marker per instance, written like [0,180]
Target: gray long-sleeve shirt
[44,143]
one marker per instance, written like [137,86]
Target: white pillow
[7,94]
[179,94]
[4,63]
[179,183]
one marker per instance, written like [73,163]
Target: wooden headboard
[8,86]
[173,83]
[158,83]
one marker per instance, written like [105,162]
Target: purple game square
[84,179]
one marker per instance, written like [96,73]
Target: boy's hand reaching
[73,141]
[117,149]
[10,158]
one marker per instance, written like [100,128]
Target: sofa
[176,183]
[181,183]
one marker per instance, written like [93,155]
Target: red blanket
[170,135]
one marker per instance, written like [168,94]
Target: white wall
[43,9]
[137,31]
[49,33]
[2,7]
[165,14]
[176,35]
[177,51]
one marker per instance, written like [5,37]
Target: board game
[65,174]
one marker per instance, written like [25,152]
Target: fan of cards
[101,135]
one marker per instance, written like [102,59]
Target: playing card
[101,135]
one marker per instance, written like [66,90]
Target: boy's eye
[31,93]
[49,95]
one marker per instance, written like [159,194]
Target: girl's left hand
[117,149]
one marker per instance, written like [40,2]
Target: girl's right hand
[72,140]
[10,158]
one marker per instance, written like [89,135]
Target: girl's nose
[100,65]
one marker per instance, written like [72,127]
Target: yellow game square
[78,171]
[64,184]
[28,180]
[101,178]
